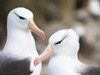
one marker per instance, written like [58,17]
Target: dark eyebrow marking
[61,40]
[19,16]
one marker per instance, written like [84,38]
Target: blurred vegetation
[41,8]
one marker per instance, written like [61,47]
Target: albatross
[64,48]
[19,52]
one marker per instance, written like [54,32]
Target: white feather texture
[20,42]
[65,58]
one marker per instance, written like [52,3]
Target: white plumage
[20,43]
[64,60]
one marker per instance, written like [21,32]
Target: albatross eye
[58,42]
[61,40]
[21,17]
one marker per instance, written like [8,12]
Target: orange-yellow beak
[47,53]
[32,26]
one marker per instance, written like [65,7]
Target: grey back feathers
[92,71]
[15,67]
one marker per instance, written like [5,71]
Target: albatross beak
[47,53]
[32,26]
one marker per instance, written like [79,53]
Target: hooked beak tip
[43,35]
[35,62]
[47,53]
[33,27]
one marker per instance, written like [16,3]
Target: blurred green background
[53,15]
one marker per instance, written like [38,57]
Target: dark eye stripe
[19,16]
[60,40]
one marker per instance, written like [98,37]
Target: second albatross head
[63,42]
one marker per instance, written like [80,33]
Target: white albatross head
[22,19]
[65,42]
